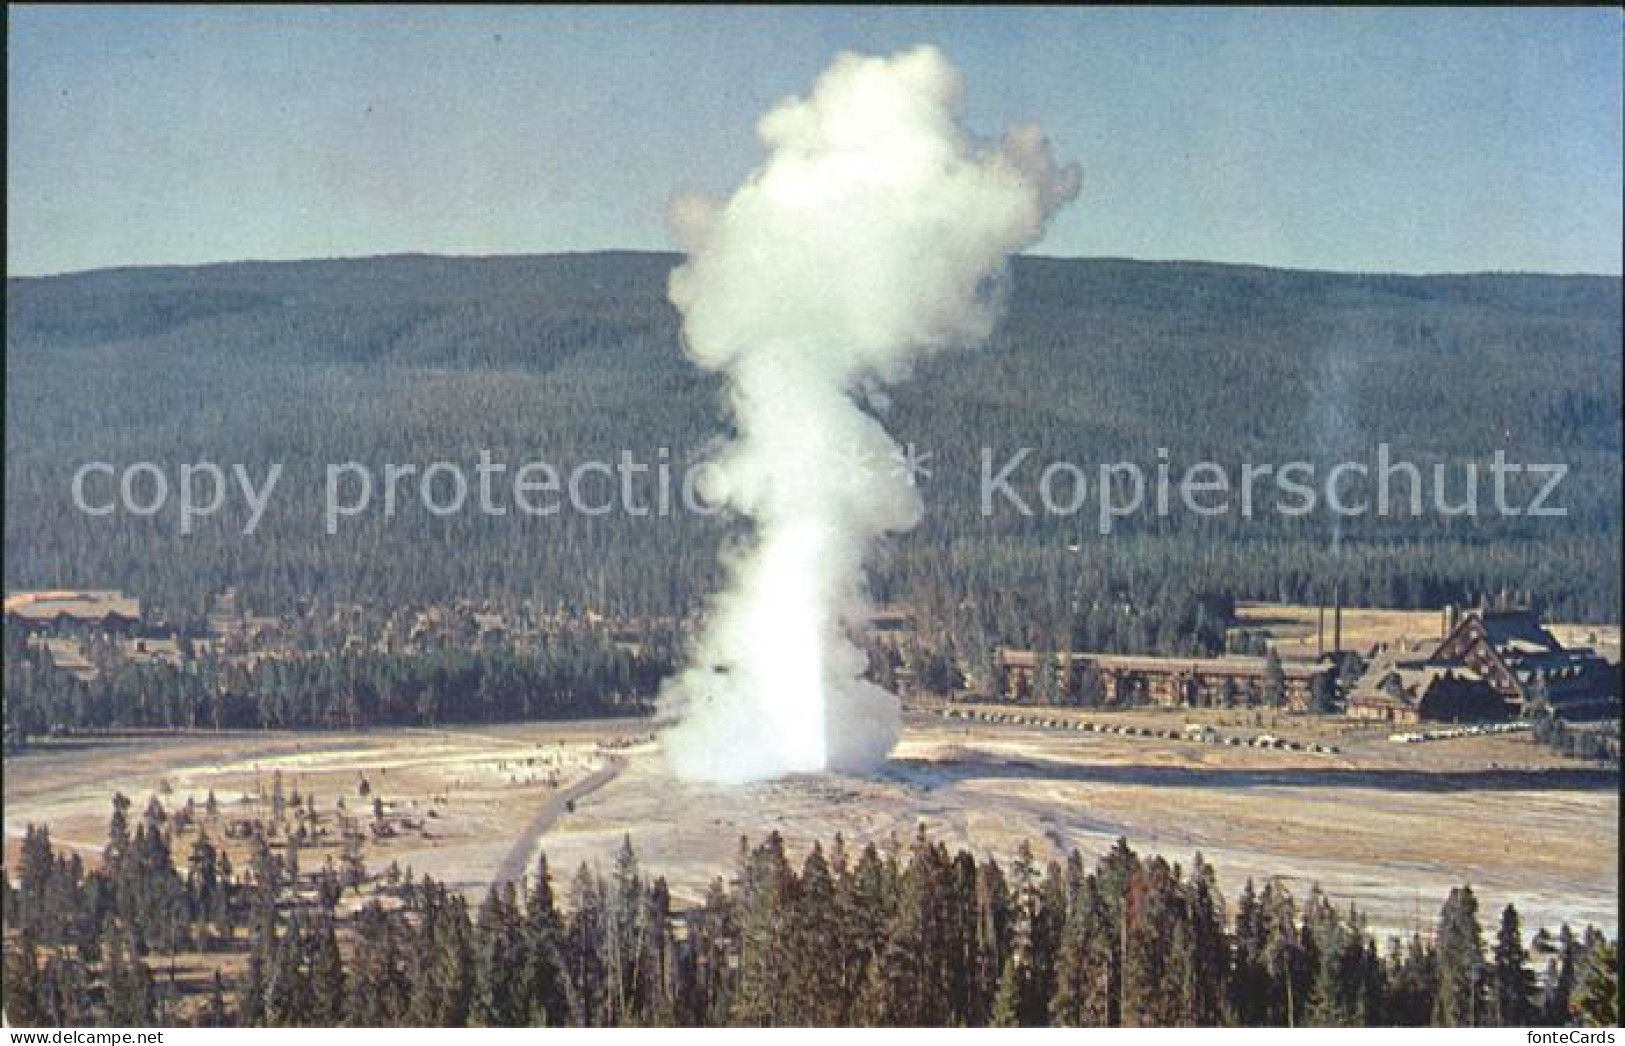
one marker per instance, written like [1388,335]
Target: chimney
[1337,617]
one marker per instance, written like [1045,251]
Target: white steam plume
[874,234]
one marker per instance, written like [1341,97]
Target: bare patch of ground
[457,802]
[1388,827]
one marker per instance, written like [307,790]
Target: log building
[1119,679]
[1490,665]
[60,612]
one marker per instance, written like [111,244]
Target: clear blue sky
[1394,140]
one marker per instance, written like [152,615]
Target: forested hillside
[571,358]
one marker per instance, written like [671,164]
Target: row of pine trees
[330,689]
[911,935]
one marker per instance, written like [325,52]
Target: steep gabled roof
[1518,632]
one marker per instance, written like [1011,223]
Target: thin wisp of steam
[874,234]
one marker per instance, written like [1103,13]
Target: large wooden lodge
[1170,681]
[60,612]
[1490,665]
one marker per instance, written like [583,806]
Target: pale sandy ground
[483,786]
[1390,830]
[1388,827]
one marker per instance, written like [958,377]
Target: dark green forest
[447,684]
[572,358]
[910,936]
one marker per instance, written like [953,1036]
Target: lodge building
[60,612]
[1170,681]
[1490,665]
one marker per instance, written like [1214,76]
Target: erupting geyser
[874,234]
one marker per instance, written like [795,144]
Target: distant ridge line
[675,256]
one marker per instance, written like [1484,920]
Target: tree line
[441,685]
[906,936]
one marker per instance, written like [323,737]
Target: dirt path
[516,864]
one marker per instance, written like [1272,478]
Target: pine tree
[1013,989]
[1027,979]
[1157,966]
[1561,977]
[1249,994]
[327,978]
[118,831]
[1596,1000]
[1513,983]
[1338,989]
[288,994]
[626,937]
[64,992]
[584,949]
[24,1006]
[1084,964]
[543,983]
[914,981]
[658,986]
[450,985]
[766,894]
[1048,921]
[1283,957]
[1414,983]
[1460,999]
[709,972]
[379,989]
[35,871]
[498,961]
[817,993]
[251,991]
[1209,955]
[991,942]
[864,906]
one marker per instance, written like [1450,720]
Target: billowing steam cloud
[874,234]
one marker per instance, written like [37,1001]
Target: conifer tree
[584,949]
[1561,977]
[1083,968]
[626,941]
[544,982]
[327,978]
[1014,982]
[991,941]
[1459,1002]
[1596,1000]
[1283,956]
[818,996]
[1415,983]
[1513,983]
[23,1003]
[498,961]
[767,888]
[379,989]
[450,984]
[864,904]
